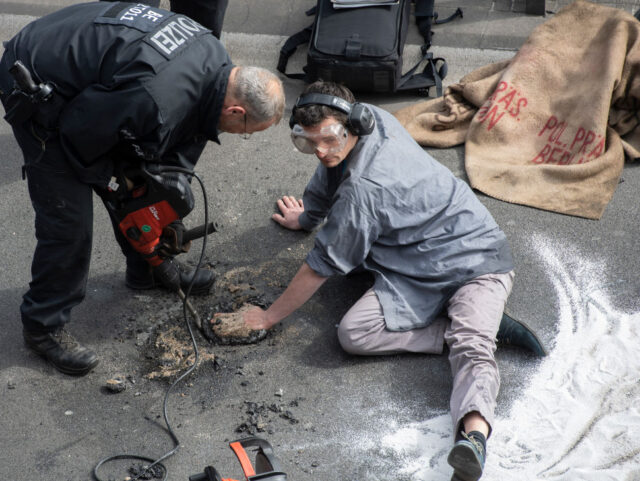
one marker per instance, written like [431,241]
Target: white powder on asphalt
[579,417]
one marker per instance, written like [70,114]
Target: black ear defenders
[360,119]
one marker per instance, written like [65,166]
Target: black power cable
[158,462]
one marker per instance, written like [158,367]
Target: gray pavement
[56,427]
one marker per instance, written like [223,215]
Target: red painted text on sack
[565,147]
[506,99]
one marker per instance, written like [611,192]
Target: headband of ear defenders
[360,120]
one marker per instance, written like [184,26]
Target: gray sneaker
[467,459]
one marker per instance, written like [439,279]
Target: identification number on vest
[141,17]
[167,32]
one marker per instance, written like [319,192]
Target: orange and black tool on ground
[267,466]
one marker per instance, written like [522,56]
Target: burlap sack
[550,127]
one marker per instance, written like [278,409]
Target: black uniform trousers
[208,13]
[63,208]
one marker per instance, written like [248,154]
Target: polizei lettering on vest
[174,34]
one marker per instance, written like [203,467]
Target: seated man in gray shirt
[442,266]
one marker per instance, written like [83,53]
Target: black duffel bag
[362,47]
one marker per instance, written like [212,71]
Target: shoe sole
[62,369]
[139,287]
[71,372]
[200,291]
[465,463]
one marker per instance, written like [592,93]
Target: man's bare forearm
[304,284]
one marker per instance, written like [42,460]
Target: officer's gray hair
[260,92]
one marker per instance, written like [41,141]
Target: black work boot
[516,333]
[62,351]
[142,279]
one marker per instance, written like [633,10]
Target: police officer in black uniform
[115,86]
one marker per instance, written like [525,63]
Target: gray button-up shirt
[392,208]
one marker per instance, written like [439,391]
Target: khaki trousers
[469,328]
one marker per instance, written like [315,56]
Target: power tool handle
[199,231]
[23,78]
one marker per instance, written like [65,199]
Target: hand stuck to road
[229,328]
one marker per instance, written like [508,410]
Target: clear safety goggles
[330,139]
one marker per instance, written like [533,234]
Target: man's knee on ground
[352,341]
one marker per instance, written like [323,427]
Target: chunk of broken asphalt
[115,385]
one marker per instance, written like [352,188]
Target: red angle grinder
[267,466]
[150,207]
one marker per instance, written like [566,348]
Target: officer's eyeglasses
[330,139]
[245,135]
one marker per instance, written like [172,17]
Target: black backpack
[362,47]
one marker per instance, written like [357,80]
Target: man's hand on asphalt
[257,318]
[291,208]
